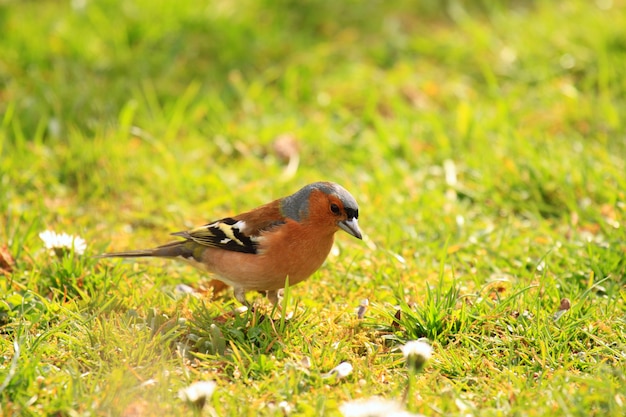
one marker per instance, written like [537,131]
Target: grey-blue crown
[295,206]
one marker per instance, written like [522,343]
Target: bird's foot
[275,297]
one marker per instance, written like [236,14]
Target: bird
[286,240]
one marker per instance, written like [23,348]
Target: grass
[484,141]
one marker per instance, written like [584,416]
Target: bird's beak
[351,226]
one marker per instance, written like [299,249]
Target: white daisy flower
[417,353]
[285,407]
[374,407]
[197,393]
[340,371]
[61,243]
[362,308]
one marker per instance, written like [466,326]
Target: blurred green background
[525,96]
[484,141]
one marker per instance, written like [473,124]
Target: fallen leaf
[286,147]
[213,287]
[6,260]
[608,211]
[396,318]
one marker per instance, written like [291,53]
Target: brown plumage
[259,250]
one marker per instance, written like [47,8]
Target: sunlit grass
[484,142]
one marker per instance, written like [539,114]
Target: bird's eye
[335,208]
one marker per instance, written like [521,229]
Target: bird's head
[324,203]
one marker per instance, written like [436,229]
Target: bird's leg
[272,295]
[275,296]
[240,295]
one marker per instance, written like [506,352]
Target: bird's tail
[169,250]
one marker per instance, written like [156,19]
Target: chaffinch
[259,250]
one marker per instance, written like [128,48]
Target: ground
[484,141]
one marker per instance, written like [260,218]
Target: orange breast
[293,250]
